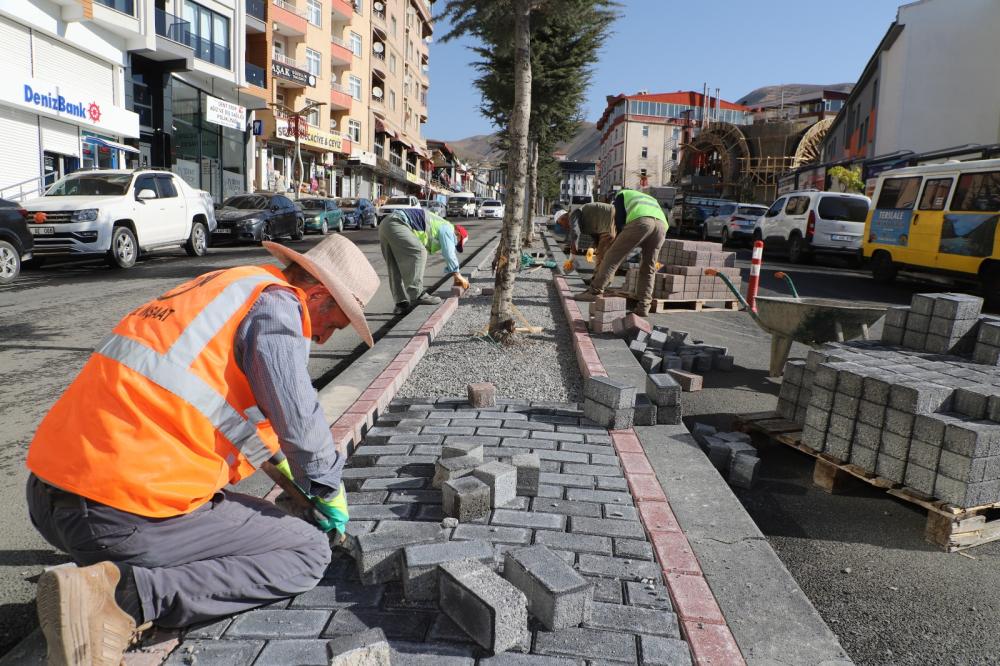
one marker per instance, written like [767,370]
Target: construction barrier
[754,283]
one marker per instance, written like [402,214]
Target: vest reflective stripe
[207,323]
[164,371]
[639,204]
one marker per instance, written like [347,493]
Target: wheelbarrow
[811,321]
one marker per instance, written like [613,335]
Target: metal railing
[285,60]
[380,15]
[32,187]
[378,100]
[173,27]
[340,42]
[289,7]
[256,75]
[123,6]
[256,9]
[209,51]
[341,89]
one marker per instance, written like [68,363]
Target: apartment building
[641,135]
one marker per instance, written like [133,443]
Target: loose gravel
[535,367]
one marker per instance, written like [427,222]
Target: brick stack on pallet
[607,313]
[682,276]
[917,416]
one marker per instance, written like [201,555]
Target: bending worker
[407,236]
[191,392]
[597,220]
[639,222]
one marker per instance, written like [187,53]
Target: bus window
[899,192]
[935,193]
[977,192]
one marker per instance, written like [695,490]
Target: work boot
[401,308]
[82,622]
[586,296]
[641,311]
[428,299]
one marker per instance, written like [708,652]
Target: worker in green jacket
[639,222]
[406,237]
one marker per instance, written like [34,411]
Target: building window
[645,130]
[392,100]
[359,7]
[313,116]
[645,152]
[392,22]
[209,36]
[392,63]
[354,85]
[314,12]
[354,130]
[356,44]
[314,61]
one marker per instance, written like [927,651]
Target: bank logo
[60,104]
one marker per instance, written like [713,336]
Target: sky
[668,45]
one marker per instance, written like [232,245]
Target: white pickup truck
[396,203]
[118,214]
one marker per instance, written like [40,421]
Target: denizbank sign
[69,104]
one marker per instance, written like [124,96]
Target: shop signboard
[293,74]
[69,104]
[362,157]
[891,226]
[309,136]
[224,113]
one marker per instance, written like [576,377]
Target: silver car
[732,222]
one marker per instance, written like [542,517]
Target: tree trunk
[529,213]
[502,322]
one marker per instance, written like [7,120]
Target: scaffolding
[759,176]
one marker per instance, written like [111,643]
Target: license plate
[220,230]
[842,237]
[42,231]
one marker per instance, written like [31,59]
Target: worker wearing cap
[639,223]
[193,391]
[407,236]
[596,220]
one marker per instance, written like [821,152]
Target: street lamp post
[296,118]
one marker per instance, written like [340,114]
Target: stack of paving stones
[606,314]
[567,574]
[662,351]
[609,402]
[682,276]
[732,453]
[919,417]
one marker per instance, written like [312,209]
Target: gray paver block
[577,543]
[501,479]
[592,470]
[448,469]
[569,480]
[466,499]
[900,423]
[633,549]
[278,623]
[303,652]
[377,554]
[457,448]
[920,478]
[648,595]
[663,651]
[557,595]
[339,594]
[597,645]
[528,468]
[420,564]
[515,659]
[609,392]
[864,457]
[645,411]
[668,415]
[610,418]
[957,306]
[743,471]
[620,512]
[566,507]
[368,648]
[971,438]
[215,653]
[492,533]
[963,468]
[626,569]
[920,397]
[491,610]
[663,389]
[634,619]
[409,624]
[599,496]
[974,401]
[529,519]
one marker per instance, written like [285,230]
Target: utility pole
[296,118]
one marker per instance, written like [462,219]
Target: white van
[813,222]
[462,204]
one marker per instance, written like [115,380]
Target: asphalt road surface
[860,557]
[51,319]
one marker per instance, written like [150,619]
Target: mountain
[773,93]
[583,147]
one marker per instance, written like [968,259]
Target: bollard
[754,283]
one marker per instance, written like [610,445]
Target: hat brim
[344,297]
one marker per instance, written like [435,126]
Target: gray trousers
[406,259]
[234,553]
[645,232]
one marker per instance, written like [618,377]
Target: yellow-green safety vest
[639,204]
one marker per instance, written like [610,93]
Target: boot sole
[60,599]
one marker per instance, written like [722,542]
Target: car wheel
[324,229]
[266,232]
[883,269]
[340,226]
[197,242]
[724,237]
[10,263]
[796,249]
[124,248]
[300,229]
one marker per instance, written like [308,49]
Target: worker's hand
[590,255]
[332,513]
[461,281]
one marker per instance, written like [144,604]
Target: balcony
[340,97]
[289,20]
[256,16]
[209,51]
[340,52]
[256,75]
[378,15]
[342,10]
[173,28]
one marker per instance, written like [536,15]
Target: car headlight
[248,222]
[85,215]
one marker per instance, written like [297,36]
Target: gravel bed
[536,367]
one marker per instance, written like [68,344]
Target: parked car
[395,203]
[118,213]
[491,208]
[322,215]
[259,217]
[15,240]
[732,222]
[435,207]
[358,213]
[813,222]
[462,204]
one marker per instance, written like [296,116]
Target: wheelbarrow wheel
[883,269]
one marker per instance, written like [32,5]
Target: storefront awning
[384,129]
[111,144]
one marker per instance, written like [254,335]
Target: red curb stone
[371,395]
[635,463]
[712,644]
[658,517]
[361,407]
[384,379]
[646,487]
[674,553]
[693,599]
[626,441]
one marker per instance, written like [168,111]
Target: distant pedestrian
[639,222]
[407,236]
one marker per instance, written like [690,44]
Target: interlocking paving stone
[514,659]
[302,652]
[208,629]
[592,470]
[382,511]
[533,444]
[418,496]
[611,483]
[394,484]
[633,548]
[599,496]
[608,590]
[570,480]
[579,543]
[620,512]
[562,456]
[492,533]
[409,626]
[215,653]
[548,490]
[544,521]
[566,507]
[648,595]
[663,651]
[558,436]
[588,643]
[280,623]
[369,497]
[633,618]
[618,568]
[405,653]
[589,449]
[340,594]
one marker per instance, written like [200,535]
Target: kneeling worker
[190,392]
[596,220]
[407,236]
[640,222]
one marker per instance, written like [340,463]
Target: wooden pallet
[951,527]
[660,305]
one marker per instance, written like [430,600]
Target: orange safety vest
[161,416]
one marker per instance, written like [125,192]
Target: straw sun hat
[343,269]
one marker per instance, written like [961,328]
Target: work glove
[461,281]
[332,513]
[590,255]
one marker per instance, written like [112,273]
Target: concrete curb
[702,622]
